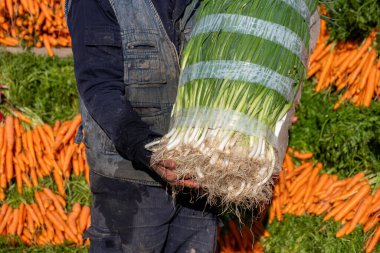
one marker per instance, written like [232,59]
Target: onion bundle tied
[240,73]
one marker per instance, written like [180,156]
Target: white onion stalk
[224,117]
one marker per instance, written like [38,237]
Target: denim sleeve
[99,69]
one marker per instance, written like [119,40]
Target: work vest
[151,72]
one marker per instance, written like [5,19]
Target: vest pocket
[143,61]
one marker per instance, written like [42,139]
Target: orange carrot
[47,46]
[13,226]
[366,72]
[73,216]
[367,43]
[6,218]
[57,125]
[9,131]
[83,217]
[355,179]
[9,164]
[373,241]
[359,214]
[22,117]
[325,72]
[49,131]
[32,214]
[351,203]
[342,231]
[321,182]
[21,219]
[73,128]
[370,90]
[56,202]
[18,179]
[61,134]
[302,156]
[39,202]
[57,222]
[44,138]
[37,212]
[371,223]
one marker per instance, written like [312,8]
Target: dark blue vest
[151,71]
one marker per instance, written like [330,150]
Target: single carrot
[73,216]
[56,221]
[351,203]
[30,145]
[302,156]
[299,169]
[61,200]
[33,175]
[37,212]
[49,131]
[367,71]
[325,72]
[373,241]
[32,214]
[6,218]
[57,125]
[355,179]
[325,51]
[18,179]
[301,180]
[371,223]
[48,46]
[44,138]
[359,214]
[9,131]
[56,202]
[12,229]
[376,196]
[83,218]
[22,117]
[9,164]
[39,202]
[21,219]
[72,129]
[45,11]
[370,89]
[61,134]
[342,231]
[321,182]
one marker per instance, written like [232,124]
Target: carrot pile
[45,221]
[33,23]
[303,190]
[352,69]
[29,152]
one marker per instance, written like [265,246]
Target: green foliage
[45,85]
[309,234]
[77,190]
[13,244]
[352,19]
[346,140]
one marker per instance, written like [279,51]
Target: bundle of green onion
[240,73]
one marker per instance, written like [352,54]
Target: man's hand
[166,169]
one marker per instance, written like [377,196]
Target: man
[126,64]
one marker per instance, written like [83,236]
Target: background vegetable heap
[340,154]
[33,23]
